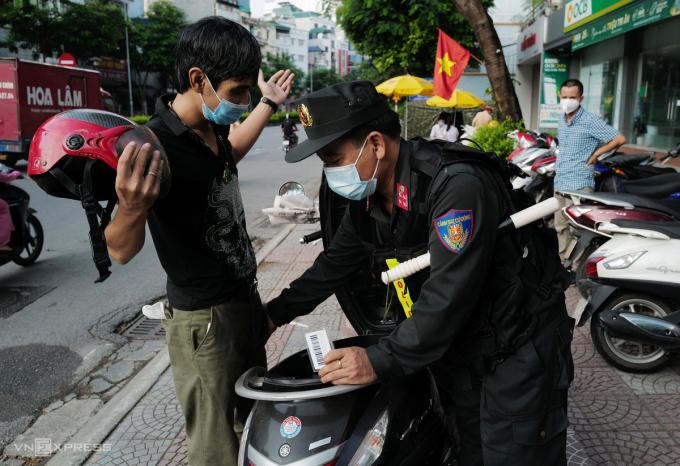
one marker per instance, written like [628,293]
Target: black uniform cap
[332,112]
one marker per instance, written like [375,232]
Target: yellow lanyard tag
[401,289]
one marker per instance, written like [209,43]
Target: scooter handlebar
[515,221]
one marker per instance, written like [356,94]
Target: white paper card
[318,345]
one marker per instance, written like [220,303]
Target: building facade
[626,53]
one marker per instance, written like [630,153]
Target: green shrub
[278,117]
[140,119]
[494,137]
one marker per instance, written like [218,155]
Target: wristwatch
[270,102]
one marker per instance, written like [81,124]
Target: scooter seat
[659,186]
[671,229]
[627,159]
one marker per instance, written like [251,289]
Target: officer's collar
[402,178]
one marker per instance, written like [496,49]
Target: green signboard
[554,71]
[634,16]
[579,12]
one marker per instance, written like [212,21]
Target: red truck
[31,92]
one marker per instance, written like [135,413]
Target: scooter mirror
[291,187]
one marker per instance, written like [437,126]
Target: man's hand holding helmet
[136,186]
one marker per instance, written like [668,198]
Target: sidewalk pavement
[616,417]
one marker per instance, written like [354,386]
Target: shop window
[600,83]
[657,112]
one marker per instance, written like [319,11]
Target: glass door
[657,114]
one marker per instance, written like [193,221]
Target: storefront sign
[531,41]
[528,41]
[579,12]
[634,16]
[554,71]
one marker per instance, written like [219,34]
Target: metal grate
[15,298]
[143,328]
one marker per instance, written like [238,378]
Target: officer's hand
[278,87]
[137,192]
[347,366]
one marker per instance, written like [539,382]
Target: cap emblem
[305,117]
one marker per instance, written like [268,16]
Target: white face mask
[441,123]
[569,105]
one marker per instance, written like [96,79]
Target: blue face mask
[346,181]
[226,112]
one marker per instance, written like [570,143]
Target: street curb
[97,429]
[270,245]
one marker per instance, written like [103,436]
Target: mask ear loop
[361,151]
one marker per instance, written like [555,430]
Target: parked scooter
[634,280]
[613,170]
[656,201]
[28,237]
[541,186]
[531,147]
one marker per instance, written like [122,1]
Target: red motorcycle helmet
[74,155]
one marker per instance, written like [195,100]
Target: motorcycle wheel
[35,238]
[580,272]
[624,354]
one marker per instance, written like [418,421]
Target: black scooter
[28,237]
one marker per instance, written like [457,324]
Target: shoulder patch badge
[454,229]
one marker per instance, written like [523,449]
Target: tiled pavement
[616,418]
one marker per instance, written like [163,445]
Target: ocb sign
[575,11]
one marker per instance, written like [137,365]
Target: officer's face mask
[346,181]
[569,105]
[226,112]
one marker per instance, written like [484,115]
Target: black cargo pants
[517,414]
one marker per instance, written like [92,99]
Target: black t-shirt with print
[199,228]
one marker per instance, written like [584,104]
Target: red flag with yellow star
[452,58]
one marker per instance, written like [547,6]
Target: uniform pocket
[540,430]
[518,384]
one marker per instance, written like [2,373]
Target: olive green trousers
[209,350]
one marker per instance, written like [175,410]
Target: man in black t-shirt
[215,324]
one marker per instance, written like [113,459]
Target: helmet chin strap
[98,217]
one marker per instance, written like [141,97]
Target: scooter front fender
[599,296]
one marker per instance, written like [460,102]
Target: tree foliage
[367,71]
[95,28]
[400,35]
[86,30]
[271,63]
[152,43]
[322,77]
[153,39]
[32,26]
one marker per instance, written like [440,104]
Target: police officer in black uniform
[500,351]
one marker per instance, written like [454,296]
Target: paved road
[67,329]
